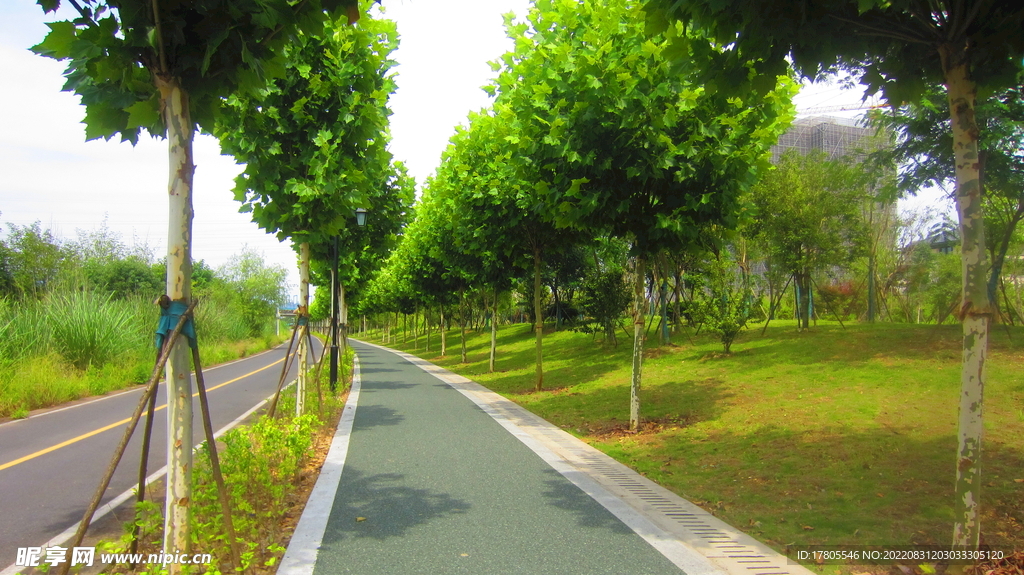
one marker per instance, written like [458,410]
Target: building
[837,137]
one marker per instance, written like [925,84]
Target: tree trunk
[558,303]
[462,322]
[444,336]
[415,332]
[639,308]
[538,317]
[803,299]
[303,319]
[494,331]
[665,337]
[976,309]
[175,108]
[871,286]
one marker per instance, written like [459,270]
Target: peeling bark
[300,381]
[976,308]
[175,109]
[639,307]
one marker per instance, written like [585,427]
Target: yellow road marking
[122,422]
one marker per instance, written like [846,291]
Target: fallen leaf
[808,528]
[360,519]
[1018,480]
[880,495]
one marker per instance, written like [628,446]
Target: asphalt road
[433,485]
[51,463]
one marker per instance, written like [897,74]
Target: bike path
[433,484]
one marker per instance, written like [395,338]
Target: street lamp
[335,307]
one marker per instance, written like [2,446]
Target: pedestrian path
[431,473]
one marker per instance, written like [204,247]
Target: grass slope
[832,436]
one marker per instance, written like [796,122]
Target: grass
[831,436]
[77,344]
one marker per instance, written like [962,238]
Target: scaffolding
[837,137]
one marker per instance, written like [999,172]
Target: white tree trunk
[494,332]
[300,382]
[639,305]
[176,115]
[538,316]
[976,310]
[444,336]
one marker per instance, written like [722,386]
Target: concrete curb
[690,537]
[300,558]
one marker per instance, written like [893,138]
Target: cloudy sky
[48,173]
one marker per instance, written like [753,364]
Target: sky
[48,173]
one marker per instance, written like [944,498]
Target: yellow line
[113,425]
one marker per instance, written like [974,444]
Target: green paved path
[433,485]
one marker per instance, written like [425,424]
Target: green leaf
[57,44]
[211,47]
[103,121]
[144,114]
[865,5]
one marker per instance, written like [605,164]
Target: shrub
[89,329]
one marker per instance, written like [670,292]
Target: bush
[604,297]
[724,305]
[843,298]
[90,329]
[259,463]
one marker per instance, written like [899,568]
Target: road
[432,484]
[51,463]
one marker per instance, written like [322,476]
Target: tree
[898,48]
[604,298]
[33,258]
[259,288]
[724,305]
[503,229]
[924,150]
[807,215]
[166,67]
[314,142]
[624,143]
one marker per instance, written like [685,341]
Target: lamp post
[335,305]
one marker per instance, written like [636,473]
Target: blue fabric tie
[169,320]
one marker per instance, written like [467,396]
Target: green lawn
[831,436]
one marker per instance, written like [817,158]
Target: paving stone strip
[419,480]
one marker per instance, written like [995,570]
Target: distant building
[845,138]
[837,137]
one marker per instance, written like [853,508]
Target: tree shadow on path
[379,506]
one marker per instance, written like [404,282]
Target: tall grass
[87,328]
[23,331]
[77,343]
